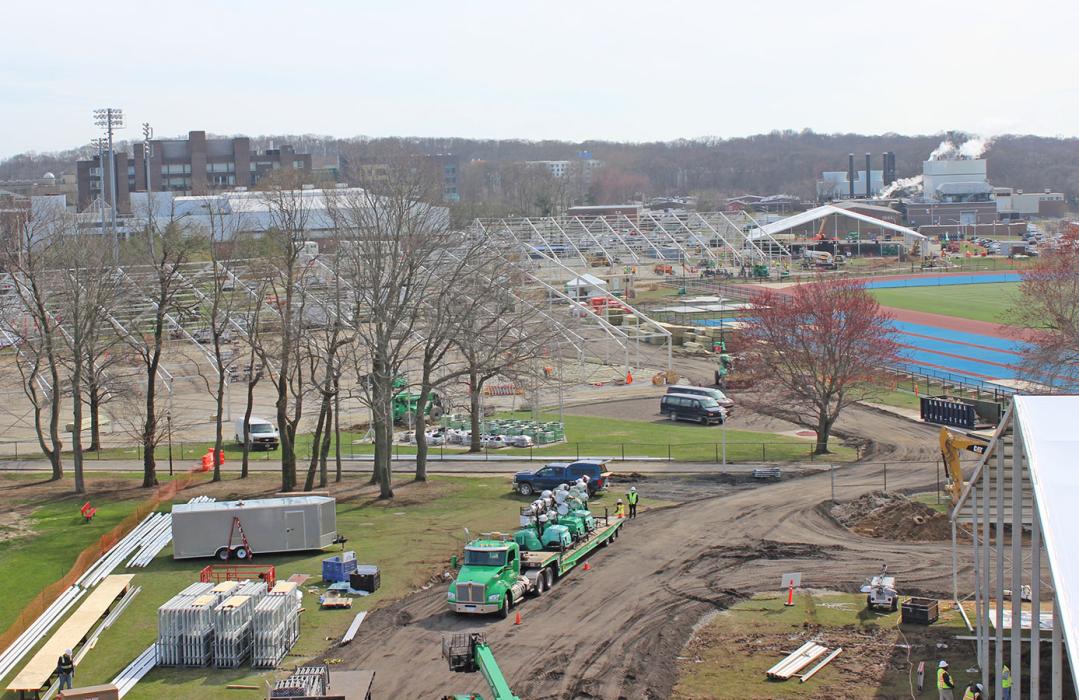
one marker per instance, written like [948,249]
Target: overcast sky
[573,70]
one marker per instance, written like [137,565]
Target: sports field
[980,302]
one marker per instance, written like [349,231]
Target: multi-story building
[192,166]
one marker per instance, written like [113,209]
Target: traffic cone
[790,597]
[915,391]
[587,566]
[517,619]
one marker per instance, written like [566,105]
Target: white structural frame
[1025,482]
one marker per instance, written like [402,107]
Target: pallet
[335,603]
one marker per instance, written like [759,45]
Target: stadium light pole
[110,119]
[147,153]
[100,144]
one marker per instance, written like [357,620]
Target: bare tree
[1049,308]
[163,251]
[38,241]
[86,282]
[390,240]
[289,210]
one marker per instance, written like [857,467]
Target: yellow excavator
[950,445]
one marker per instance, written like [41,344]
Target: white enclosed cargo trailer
[237,529]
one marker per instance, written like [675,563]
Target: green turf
[980,302]
[411,539]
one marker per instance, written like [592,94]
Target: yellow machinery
[950,444]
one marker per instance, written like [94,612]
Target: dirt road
[614,631]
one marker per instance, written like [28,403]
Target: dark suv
[527,483]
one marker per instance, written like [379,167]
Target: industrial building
[192,166]
[851,183]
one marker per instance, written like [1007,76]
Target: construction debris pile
[892,516]
[228,624]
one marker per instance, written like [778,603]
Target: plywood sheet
[39,669]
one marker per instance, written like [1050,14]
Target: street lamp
[110,119]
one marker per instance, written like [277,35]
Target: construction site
[755,568]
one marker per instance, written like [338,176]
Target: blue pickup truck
[527,483]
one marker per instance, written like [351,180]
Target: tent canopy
[805,217]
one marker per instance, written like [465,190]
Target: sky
[587,69]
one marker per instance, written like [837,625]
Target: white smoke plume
[974,147]
[904,183]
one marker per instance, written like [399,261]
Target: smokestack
[888,177]
[868,179]
[850,173]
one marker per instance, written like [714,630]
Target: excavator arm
[467,653]
[950,445]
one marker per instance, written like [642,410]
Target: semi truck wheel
[504,611]
[549,575]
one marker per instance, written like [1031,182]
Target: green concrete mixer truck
[557,533]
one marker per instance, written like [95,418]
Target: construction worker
[620,509]
[945,684]
[631,498]
[974,692]
[65,669]
[1005,683]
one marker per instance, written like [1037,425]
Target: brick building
[192,166]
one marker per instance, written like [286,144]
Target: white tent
[805,217]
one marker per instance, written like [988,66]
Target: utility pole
[147,153]
[110,119]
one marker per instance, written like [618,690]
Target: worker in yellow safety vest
[632,498]
[620,509]
[945,684]
[974,691]
[1006,683]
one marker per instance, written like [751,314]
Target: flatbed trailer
[480,590]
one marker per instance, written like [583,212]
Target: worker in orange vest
[620,509]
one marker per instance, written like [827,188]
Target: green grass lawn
[411,539]
[58,535]
[607,437]
[585,436]
[980,302]
[729,656]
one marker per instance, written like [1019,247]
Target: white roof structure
[586,280]
[825,211]
[1027,480]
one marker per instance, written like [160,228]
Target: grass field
[586,436]
[410,539]
[980,302]
[730,654]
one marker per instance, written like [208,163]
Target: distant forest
[712,169]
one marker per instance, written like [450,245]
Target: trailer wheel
[240,553]
[549,576]
[504,611]
[222,554]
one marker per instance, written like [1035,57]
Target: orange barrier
[88,556]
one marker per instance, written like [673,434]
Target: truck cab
[490,578]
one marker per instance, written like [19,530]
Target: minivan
[700,409]
[722,399]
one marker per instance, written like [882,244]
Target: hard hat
[942,664]
[67,651]
[979,687]
[619,500]
[632,489]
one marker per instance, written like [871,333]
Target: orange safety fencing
[89,556]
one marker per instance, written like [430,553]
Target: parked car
[722,399]
[527,483]
[692,407]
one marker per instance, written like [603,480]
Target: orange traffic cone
[790,597]
[517,620]
[587,566]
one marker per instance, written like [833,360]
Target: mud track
[614,631]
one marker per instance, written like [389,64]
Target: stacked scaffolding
[170,624]
[275,625]
[232,639]
[305,681]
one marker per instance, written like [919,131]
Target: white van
[262,434]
